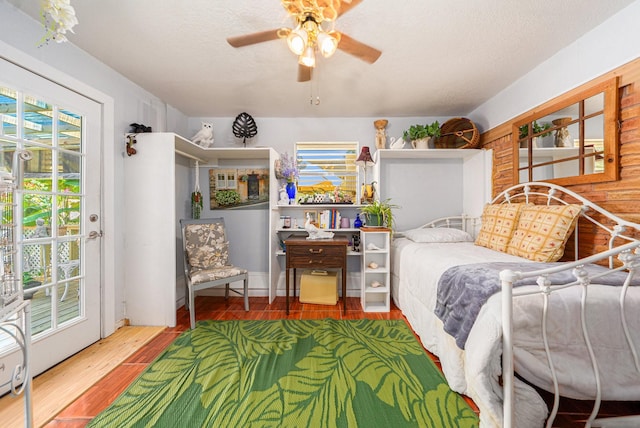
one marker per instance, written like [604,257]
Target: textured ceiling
[439,57]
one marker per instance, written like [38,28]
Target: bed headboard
[598,229]
[470,225]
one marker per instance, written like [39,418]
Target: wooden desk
[316,254]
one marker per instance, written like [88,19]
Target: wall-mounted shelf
[321,206]
[212,155]
[302,229]
[426,153]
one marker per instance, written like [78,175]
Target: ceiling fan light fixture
[327,43]
[308,58]
[297,41]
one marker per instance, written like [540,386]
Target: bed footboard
[623,258]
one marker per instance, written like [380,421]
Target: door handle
[93,235]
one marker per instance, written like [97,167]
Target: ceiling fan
[309,37]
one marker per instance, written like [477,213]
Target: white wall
[610,45]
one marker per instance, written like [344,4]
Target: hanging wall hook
[131,140]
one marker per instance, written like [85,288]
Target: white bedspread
[475,371]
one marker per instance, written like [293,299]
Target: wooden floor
[59,386]
[104,391]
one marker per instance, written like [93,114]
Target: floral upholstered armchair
[206,261]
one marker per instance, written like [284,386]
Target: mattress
[476,371]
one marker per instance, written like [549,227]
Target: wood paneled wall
[620,197]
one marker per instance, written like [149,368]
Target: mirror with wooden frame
[572,140]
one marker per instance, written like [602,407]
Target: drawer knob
[318,251]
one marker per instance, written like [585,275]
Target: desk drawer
[317,250]
[316,255]
[316,262]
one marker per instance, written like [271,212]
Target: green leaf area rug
[291,373]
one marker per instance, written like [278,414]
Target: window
[327,169]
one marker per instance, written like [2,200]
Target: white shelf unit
[157,195]
[296,213]
[375,299]
[432,183]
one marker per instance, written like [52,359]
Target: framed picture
[313,215]
[237,188]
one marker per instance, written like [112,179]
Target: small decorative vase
[291,192]
[357,223]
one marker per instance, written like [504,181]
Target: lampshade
[308,58]
[365,157]
[327,43]
[297,41]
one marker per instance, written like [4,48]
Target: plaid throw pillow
[542,231]
[498,224]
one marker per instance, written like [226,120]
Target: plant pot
[421,143]
[374,220]
[542,142]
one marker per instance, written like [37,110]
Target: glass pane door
[60,266]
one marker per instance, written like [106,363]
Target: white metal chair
[206,261]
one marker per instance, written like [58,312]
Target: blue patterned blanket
[462,290]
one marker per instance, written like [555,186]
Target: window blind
[325,166]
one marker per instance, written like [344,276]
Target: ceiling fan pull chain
[316,77]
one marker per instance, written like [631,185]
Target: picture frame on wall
[237,188]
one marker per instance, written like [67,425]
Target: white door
[58,208]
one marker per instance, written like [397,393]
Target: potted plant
[538,132]
[420,135]
[379,213]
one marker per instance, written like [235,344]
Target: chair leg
[186,296]
[246,294]
[226,291]
[192,308]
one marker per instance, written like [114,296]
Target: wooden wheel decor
[458,133]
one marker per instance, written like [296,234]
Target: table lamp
[365,160]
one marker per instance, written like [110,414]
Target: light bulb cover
[308,58]
[297,41]
[327,44]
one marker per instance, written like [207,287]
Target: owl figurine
[204,137]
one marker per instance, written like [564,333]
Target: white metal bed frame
[621,245]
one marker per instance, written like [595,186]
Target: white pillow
[438,234]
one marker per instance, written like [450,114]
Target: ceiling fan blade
[358,49]
[253,38]
[304,73]
[347,6]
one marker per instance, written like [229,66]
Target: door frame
[108,323]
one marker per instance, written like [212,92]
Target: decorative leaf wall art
[244,127]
